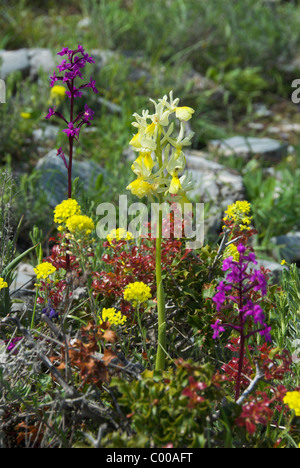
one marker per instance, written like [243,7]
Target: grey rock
[22,289]
[248,147]
[288,246]
[54,175]
[102,57]
[28,61]
[261,110]
[2,91]
[47,133]
[24,278]
[110,106]
[14,60]
[84,22]
[213,181]
[40,58]
[215,185]
[256,126]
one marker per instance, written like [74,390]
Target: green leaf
[14,263]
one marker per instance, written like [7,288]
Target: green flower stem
[142,330]
[34,308]
[161,312]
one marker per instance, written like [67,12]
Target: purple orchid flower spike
[70,70]
[74,60]
[238,293]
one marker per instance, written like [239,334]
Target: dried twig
[259,376]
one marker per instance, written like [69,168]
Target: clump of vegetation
[136,336]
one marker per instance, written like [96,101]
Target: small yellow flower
[283,262]
[137,293]
[3,284]
[58,93]
[65,210]
[112,316]
[184,113]
[44,269]
[118,234]
[140,187]
[25,115]
[292,399]
[80,224]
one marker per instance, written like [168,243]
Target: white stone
[248,147]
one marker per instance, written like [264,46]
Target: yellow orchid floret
[184,113]
[143,165]
[143,142]
[151,129]
[44,269]
[118,234]
[140,187]
[112,316]
[137,293]
[65,210]
[3,284]
[292,399]
[175,185]
[80,224]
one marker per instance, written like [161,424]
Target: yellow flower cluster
[68,213]
[137,293]
[292,399]
[112,316]
[80,224]
[156,145]
[238,212]
[3,284]
[65,210]
[44,269]
[232,251]
[118,234]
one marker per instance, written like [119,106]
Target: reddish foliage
[129,263]
[260,409]
[191,391]
[83,354]
[274,365]
[58,257]
[260,406]
[29,432]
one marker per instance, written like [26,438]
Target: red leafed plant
[273,364]
[260,408]
[130,262]
[261,405]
